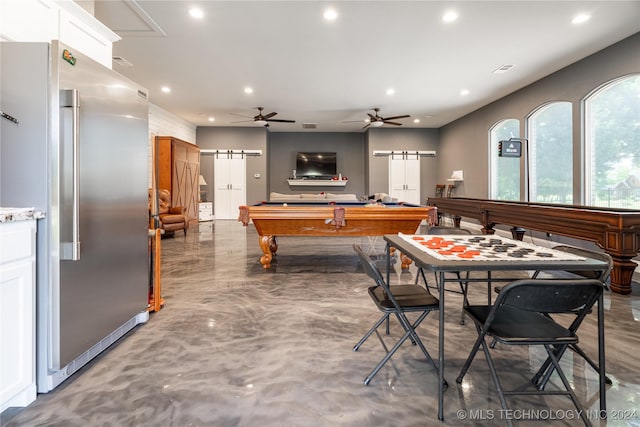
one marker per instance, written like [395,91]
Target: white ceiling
[311,70]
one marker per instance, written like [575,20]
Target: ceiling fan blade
[268,116]
[374,118]
[281,120]
[395,117]
[366,126]
[391,123]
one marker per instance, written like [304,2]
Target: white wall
[164,123]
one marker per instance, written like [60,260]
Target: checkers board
[484,248]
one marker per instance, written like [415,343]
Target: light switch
[256,175]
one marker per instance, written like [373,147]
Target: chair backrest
[164,200]
[370,267]
[551,295]
[441,229]
[440,190]
[602,256]
[450,188]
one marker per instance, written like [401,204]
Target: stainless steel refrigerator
[74,144]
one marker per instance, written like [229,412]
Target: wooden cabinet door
[178,164]
[184,186]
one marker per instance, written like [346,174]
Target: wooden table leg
[157,289]
[269,246]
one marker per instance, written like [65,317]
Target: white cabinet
[205,211]
[17,313]
[404,178]
[46,20]
[230,178]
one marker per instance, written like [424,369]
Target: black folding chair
[397,300]
[542,377]
[520,316]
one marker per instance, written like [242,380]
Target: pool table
[331,219]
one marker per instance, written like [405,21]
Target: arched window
[551,154]
[612,144]
[504,172]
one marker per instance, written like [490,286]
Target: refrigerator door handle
[70,123]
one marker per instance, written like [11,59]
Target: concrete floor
[237,345]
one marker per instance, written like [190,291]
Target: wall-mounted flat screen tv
[316,165]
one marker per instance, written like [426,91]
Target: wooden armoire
[178,165]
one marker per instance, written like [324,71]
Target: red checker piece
[458,249]
[445,252]
[467,255]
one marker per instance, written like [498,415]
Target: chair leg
[541,378]
[414,336]
[496,380]
[409,333]
[551,353]
[371,331]
[472,355]
[576,348]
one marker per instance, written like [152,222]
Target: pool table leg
[405,260]
[269,246]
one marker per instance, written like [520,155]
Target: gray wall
[349,147]
[402,140]
[464,142]
[225,138]
[460,145]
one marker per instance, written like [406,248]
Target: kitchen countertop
[19,214]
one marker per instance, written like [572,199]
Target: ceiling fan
[263,119]
[375,120]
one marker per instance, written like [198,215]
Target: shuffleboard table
[616,231]
[331,219]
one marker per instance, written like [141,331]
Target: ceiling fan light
[377,124]
[260,122]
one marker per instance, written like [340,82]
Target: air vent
[503,68]
[121,61]
[309,125]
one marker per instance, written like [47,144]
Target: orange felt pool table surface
[329,219]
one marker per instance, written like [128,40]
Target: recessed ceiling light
[166,89]
[391,91]
[416,120]
[330,15]
[450,16]
[581,18]
[464,92]
[503,68]
[248,90]
[196,13]
[211,119]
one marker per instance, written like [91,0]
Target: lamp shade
[201,181]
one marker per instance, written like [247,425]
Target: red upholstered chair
[172,218]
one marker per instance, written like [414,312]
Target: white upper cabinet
[64,20]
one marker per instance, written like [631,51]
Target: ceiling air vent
[503,68]
[121,61]
[309,125]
